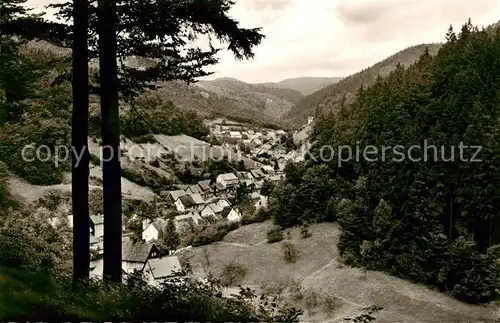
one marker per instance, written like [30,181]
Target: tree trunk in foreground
[110,130]
[79,142]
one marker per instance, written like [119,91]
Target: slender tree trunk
[79,141]
[110,130]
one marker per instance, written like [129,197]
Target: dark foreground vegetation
[430,221]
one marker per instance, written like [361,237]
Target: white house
[260,203]
[179,206]
[207,212]
[153,230]
[192,202]
[173,196]
[97,225]
[228,179]
[231,214]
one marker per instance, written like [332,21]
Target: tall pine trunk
[79,141]
[110,130]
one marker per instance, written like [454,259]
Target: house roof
[192,199]
[226,211]
[181,186]
[227,177]
[217,208]
[163,267]
[254,196]
[204,185]
[177,194]
[220,186]
[160,224]
[267,168]
[97,219]
[244,175]
[223,202]
[257,173]
[194,189]
[136,252]
[184,217]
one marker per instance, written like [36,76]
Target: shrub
[96,161]
[311,301]
[295,288]
[232,274]
[208,234]
[274,235]
[331,304]
[290,253]
[304,231]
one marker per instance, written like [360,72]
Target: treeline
[435,221]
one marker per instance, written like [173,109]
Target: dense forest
[434,221]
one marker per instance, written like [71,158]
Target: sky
[335,38]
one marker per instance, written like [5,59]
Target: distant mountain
[232,98]
[305,85]
[330,97]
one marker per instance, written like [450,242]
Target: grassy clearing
[339,287]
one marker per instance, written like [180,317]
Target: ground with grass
[329,290]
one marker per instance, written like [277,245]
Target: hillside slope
[320,272]
[330,97]
[231,97]
[305,85]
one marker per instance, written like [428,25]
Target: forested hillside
[332,97]
[430,214]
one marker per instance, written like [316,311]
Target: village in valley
[224,199]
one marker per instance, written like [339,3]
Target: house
[259,201]
[259,135]
[280,132]
[135,255]
[271,135]
[173,196]
[206,190]
[251,132]
[154,230]
[244,175]
[228,180]
[181,187]
[231,214]
[257,174]
[207,211]
[158,269]
[192,202]
[223,203]
[193,189]
[97,225]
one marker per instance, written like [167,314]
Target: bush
[290,253]
[232,274]
[304,231]
[331,304]
[274,235]
[204,235]
[96,161]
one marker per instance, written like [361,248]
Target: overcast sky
[339,37]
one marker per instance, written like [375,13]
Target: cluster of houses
[209,200]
